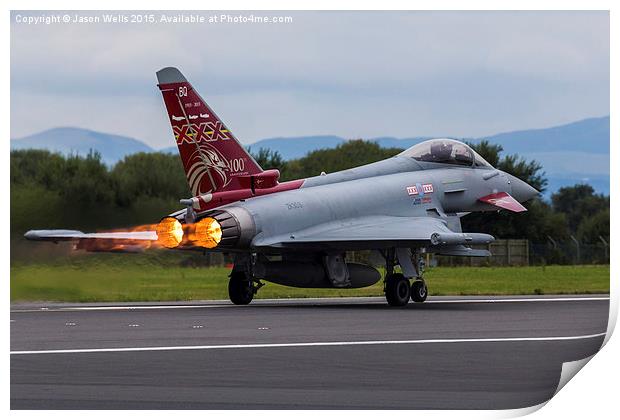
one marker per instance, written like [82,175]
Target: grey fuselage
[382,189]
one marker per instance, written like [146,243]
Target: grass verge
[113,279]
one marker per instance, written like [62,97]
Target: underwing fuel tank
[314,274]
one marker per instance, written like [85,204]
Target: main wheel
[419,292]
[240,288]
[397,290]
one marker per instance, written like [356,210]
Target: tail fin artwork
[213,159]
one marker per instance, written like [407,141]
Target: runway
[356,353]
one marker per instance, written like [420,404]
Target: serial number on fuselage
[294,205]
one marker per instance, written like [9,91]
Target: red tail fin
[212,157]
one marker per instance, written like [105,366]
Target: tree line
[49,190]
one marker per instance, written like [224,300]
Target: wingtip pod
[31,235]
[52,235]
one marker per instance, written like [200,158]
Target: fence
[504,252]
[521,252]
[571,252]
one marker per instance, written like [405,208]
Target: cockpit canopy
[446,151]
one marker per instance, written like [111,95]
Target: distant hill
[288,147]
[68,140]
[570,153]
[296,147]
[590,136]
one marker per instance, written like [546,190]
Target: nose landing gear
[419,292]
[397,289]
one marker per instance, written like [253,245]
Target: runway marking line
[117,308]
[310,344]
[272,302]
[518,300]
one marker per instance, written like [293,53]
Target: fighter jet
[297,233]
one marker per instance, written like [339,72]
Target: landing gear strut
[397,288]
[419,291]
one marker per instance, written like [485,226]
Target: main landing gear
[241,285]
[398,290]
[242,288]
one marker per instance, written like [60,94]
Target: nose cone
[521,190]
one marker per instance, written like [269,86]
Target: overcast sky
[352,74]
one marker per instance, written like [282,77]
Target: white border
[590,395]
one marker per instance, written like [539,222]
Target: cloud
[354,74]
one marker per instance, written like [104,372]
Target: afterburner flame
[169,232]
[206,233]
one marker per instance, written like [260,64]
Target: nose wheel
[419,291]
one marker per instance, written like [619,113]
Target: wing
[375,232]
[104,241]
